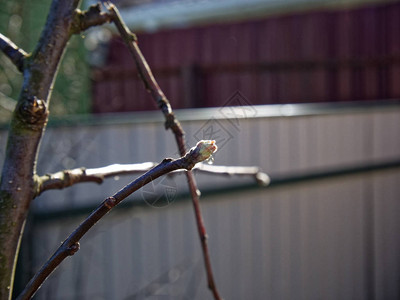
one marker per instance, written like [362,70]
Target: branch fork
[93,16]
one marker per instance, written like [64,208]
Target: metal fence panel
[332,238]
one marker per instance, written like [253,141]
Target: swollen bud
[202,151]
[206,148]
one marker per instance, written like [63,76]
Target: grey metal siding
[333,238]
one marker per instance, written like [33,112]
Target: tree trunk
[27,126]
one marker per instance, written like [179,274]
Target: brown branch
[70,246]
[93,16]
[145,73]
[172,123]
[66,178]
[13,52]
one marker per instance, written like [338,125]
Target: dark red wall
[324,56]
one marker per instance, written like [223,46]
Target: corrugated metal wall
[317,56]
[334,238]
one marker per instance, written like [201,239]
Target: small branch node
[172,123]
[93,16]
[67,180]
[204,238]
[166,160]
[263,179]
[82,175]
[110,202]
[93,9]
[33,111]
[198,193]
[133,37]
[71,250]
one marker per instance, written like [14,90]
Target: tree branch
[13,52]
[145,73]
[261,177]
[66,178]
[93,16]
[70,246]
[172,123]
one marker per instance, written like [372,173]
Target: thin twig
[261,177]
[13,52]
[66,178]
[70,246]
[172,123]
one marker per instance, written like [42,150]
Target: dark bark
[26,130]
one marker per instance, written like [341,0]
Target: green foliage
[22,21]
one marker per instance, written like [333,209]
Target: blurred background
[308,90]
